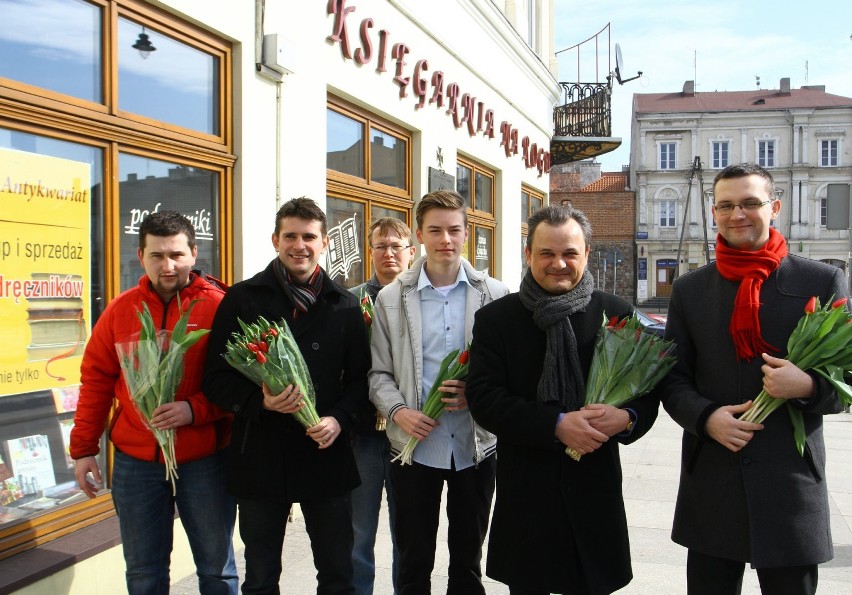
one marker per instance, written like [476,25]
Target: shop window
[52,292]
[475,184]
[107,146]
[365,181]
[175,83]
[150,185]
[362,146]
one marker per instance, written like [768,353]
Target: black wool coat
[557,523]
[270,455]
[765,504]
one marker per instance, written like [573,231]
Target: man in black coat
[746,495]
[273,461]
[559,525]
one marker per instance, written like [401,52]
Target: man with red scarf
[746,495]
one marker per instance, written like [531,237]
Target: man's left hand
[171,415]
[612,422]
[784,380]
[454,391]
[325,432]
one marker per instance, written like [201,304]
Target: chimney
[785,86]
[689,89]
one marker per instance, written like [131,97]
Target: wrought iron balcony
[582,125]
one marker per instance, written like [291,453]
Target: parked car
[651,325]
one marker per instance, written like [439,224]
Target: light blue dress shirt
[442,312]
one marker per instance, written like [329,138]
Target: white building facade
[680,141]
[224,111]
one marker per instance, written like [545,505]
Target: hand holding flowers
[266,353]
[152,366]
[821,342]
[454,367]
[627,364]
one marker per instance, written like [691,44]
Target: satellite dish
[619,67]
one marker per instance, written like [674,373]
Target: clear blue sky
[722,45]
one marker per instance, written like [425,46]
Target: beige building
[679,141]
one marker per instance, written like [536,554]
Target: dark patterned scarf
[561,376]
[302,295]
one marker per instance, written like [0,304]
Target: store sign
[45,269]
[465,109]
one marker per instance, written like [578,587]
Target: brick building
[611,208]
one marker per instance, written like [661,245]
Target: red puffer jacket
[102,381]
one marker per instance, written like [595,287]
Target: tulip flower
[821,342]
[366,305]
[276,362]
[453,367]
[152,366]
[627,364]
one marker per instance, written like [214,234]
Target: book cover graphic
[31,463]
[65,427]
[342,248]
[56,322]
[10,491]
[5,472]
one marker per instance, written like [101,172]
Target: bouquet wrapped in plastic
[453,367]
[152,365]
[266,353]
[366,306]
[627,364]
[822,342]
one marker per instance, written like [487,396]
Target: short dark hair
[742,170]
[386,224]
[440,199]
[556,215]
[301,208]
[164,224]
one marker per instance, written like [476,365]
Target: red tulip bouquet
[152,366]
[821,342]
[454,367]
[627,364]
[366,305]
[266,353]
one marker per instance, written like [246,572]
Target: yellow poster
[45,270]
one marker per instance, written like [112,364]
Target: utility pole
[695,169]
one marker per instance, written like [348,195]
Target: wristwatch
[630,422]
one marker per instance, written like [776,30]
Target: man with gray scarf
[529,360]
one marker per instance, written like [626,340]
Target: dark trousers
[329,525]
[709,575]
[417,497]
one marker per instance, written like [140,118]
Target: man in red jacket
[143,497]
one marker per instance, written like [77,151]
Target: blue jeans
[146,511]
[373,455]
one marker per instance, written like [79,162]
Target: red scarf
[751,268]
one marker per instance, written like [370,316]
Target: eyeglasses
[727,208]
[395,248]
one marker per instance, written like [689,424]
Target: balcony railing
[585,111]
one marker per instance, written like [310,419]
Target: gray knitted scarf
[561,377]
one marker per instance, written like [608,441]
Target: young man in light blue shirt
[426,313]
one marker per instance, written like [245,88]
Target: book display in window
[57,326]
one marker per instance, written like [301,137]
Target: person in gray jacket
[746,494]
[426,313]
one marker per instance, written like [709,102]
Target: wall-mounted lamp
[144,45]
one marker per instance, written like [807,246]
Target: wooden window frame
[370,121]
[364,190]
[33,110]
[477,218]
